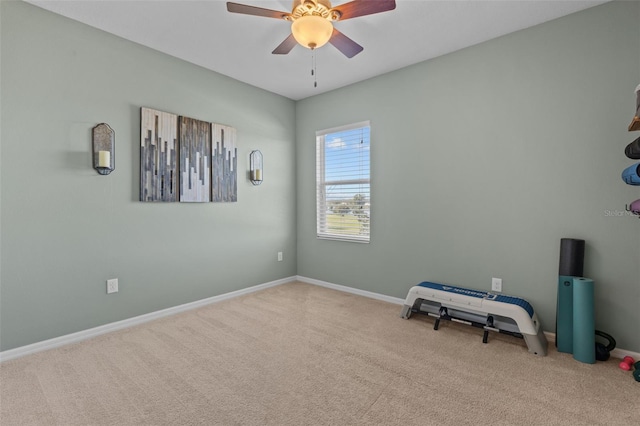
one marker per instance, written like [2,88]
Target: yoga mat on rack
[583,321]
[571,266]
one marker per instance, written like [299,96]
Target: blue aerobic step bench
[491,312]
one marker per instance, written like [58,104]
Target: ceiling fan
[312,22]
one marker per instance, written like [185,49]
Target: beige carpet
[299,354]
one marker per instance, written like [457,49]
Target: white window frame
[322,231]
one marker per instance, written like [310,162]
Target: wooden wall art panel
[158,155]
[225,164]
[195,160]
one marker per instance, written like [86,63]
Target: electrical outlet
[112,286]
[496,284]
[279,256]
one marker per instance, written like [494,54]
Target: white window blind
[343,183]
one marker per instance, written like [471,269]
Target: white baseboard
[621,353]
[551,337]
[129,322]
[616,353]
[365,293]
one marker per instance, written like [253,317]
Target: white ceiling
[204,33]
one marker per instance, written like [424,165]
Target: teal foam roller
[584,329]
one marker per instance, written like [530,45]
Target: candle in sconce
[258,174]
[104,159]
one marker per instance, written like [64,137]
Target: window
[343,188]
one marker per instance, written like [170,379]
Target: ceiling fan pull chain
[314,70]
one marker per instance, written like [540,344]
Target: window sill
[345,238]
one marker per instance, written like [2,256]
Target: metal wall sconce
[255,167]
[104,149]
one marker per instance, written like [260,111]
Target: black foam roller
[571,257]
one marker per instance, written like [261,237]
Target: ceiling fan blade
[256,11]
[356,8]
[286,46]
[344,44]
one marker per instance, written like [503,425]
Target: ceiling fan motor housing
[320,8]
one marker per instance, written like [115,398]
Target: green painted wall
[485,158]
[66,230]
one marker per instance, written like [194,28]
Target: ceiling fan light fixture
[312,31]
